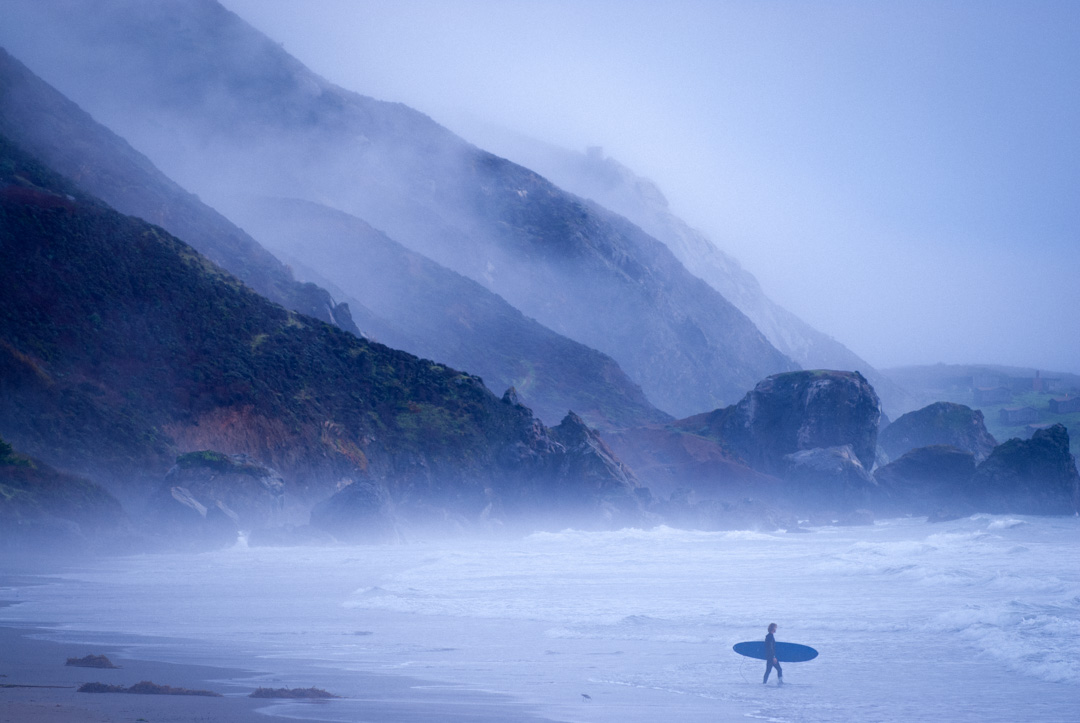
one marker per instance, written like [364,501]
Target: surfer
[770,657]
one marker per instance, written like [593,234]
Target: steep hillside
[221,108]
[47,124]
[436,313]
[614,186]
[121,346]
[552,373]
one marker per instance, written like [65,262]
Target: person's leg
[768,669]
[779,674]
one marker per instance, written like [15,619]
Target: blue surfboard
[785,652]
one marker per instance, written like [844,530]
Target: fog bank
[901,177]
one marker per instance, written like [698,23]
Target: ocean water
[972,620]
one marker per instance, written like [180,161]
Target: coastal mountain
[611,184]
[43,121]
[226,111]
[421,306]
[121,347]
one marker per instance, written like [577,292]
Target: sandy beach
[37,686]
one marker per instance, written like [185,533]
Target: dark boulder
[590,471]
[566,471]
[941,423]
[828,478]
[208,498]
[362,512]
[795,411]
[1037,476]
[180,520]
[567,475]
[933,481]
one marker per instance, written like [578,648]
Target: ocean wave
[1005,524]
[1039,640]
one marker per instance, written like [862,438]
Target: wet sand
[36,686]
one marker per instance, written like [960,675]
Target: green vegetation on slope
[120,345]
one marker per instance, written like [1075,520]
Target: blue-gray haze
[904,176]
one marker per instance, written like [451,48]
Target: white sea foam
[977,616]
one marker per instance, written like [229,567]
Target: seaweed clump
[144,688]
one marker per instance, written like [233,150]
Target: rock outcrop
[828,478]
[560,476]
[934,480]
[363,512]
[566,473]
[669,458]
[941,423]
[254,492]
[796,411]
[1037,476]
[212,496]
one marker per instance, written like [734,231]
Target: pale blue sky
[905,176]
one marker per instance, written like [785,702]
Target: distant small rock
[91,661]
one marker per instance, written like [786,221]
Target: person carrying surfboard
[770,657]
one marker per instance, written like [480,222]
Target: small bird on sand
[586,697]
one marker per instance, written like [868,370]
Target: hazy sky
[905,175]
